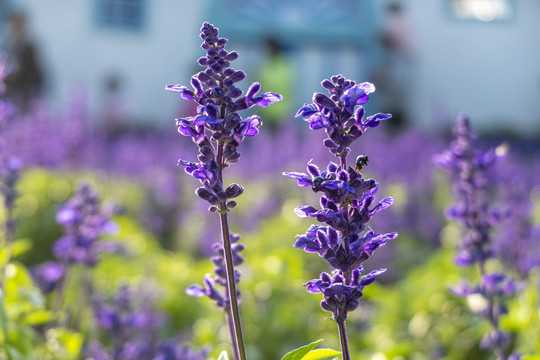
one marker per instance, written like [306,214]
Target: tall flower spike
[470,172]
[217,130]
[347,200]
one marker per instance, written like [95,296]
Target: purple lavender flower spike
[218,129]
[471,170]
[347,200]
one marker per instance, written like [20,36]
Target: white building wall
[76,51]
[491,71]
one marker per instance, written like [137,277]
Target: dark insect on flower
[361,161]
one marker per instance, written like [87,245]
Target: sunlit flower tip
[67,215]
[250,126]
[323,100]
[375,120]
[234,190]
[307,110]
[263,100]
[184,91]
[370,278]
[327,84]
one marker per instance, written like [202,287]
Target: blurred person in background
[24,82]
[393,75]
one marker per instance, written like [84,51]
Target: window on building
[482,10]
[126,14]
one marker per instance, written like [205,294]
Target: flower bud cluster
[347,199]
[10,168]
[338,113]
[342,296]
[219,100]
[213,191]
[209,289]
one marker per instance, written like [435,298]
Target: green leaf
[321,354]
[534,357]
[223,356]
[300,352]
[38,317]
[71,341]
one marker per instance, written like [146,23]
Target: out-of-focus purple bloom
[7,109]
[84,222]
[472,183]
[130,323]
[48,275]
[170,350]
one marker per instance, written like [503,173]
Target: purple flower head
[262,100]
[342,253]
[338,113]
[339,186]
[356,95]
[48,275]
[218,123]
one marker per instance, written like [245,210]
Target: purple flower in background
[170,350]
[48,275]
[471,172]
[130,324]
[84,222]
[347,201]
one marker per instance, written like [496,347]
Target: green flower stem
[233,320]
[343,337]
[231,287]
